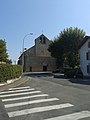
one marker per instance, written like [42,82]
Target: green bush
[9,72]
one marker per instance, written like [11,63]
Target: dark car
[59,70]
[79,74]
[74,73]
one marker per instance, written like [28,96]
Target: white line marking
[17,88]
[24,90]
[38,109]
[73,116]
[25,93]
[30,102]
[22,98]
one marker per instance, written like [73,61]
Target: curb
[10,81]
[57,75]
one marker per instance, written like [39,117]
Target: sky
[21,17]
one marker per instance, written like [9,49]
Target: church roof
[41,36]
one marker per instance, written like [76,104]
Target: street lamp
[23,51]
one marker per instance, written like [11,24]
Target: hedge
[9,72]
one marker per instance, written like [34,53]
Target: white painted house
[85,56]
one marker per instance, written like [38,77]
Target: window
[88,55]
[42,40]
[88,68]
[88,44]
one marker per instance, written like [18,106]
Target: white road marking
[38,109]
[24,90]
[30,102]
[27,97]
[17,88]
[25,93]
[73,116]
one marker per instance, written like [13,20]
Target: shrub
[8,71]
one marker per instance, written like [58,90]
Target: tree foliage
[64,47]
[3,51]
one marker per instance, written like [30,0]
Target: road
[46,98]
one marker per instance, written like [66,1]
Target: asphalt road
[43,97]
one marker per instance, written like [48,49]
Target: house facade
[38,58]
[85,56]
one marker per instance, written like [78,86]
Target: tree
[3,51]
[64,47]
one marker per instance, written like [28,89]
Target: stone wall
[42,44]
[38,58]
[38,63]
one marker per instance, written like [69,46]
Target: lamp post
[23,51]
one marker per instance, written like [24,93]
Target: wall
[38,56]
[30,52]
[83,61]
[37,63]
[42,48]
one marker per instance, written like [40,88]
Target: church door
[44,68]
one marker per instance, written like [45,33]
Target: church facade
[38,58]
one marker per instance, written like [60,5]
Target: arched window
[42,40]
[88,44]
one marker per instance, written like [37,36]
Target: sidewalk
[15,83]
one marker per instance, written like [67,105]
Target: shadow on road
[73,80]
[59,76]
[38,74]
[80,81]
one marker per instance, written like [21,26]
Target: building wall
[41,45]
[30,52]
[38,58]
[37,63]
[83,59]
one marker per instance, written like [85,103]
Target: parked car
[59,70]
[74,73]
[79,74]
[56,71]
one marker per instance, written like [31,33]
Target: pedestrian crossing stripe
[73,116]
[27,97]
[23,90]
[17,88]
[26,91]
[38,109]
[17,94]
[30,102]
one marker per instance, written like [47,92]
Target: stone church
[38,58]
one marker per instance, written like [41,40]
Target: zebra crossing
[26,96]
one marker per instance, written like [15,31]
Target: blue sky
[20,17]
